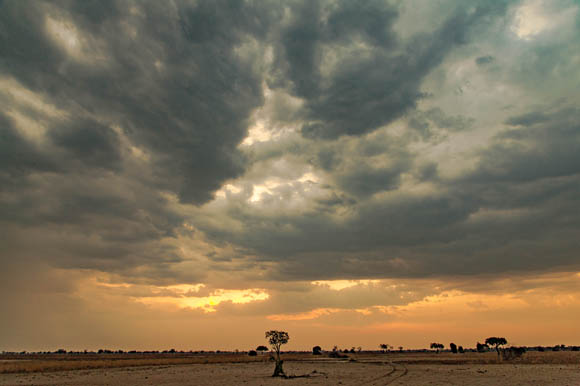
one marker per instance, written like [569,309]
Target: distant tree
[437,346]
[359,349]
[400,348]
[252,353]
[276,340]
[352,350]
[261,348]
[461,350]
[385,346]
[481,347]
[453,348]
[496,342]
[316,350]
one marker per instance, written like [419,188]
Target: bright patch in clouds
[257,133]
[338,285]
[535,17]
[186,297]
[66,35]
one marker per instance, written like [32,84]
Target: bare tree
[277,339]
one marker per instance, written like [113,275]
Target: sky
[190,174]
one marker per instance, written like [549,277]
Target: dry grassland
[535,368]
[62,362]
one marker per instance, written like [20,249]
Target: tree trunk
[279,371]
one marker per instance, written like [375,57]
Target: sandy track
[398,370]
[341,373]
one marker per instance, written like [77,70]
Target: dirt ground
[345,373]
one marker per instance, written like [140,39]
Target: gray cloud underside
[154,99]
[511,211]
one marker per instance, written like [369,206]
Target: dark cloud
[427,122]
[363,180]
[515,207]
[379,77]
[141,109]
[180,91]
[18,156]
[528,119]
[166,82]
[483,60]
[90,143]
[543,145]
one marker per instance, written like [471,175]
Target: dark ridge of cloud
[428,172]
[171,81]
[190,111]
[483,60]
[528,119]
[377,84]
[544,146]
[18,156]
[364,180]
[424,122]
[90,143]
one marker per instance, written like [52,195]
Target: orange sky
[527,310]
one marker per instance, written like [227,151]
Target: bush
[512,353]
[252,353]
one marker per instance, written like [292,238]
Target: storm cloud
[238,143]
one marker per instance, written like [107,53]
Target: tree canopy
[496,342]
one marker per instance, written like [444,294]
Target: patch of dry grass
[70,362]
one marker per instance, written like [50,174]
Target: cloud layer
[260,146]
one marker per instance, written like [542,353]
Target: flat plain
[365,368]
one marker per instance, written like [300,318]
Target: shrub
[512,353]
